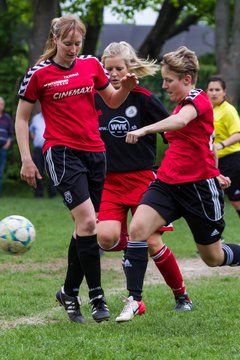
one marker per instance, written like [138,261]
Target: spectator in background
[227,137]
[6,137]
[36,129]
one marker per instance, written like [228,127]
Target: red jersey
[67,101]
[190,157]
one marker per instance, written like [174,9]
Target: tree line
[24,27]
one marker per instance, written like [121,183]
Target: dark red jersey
[67,101]
[190,155]
[140,108]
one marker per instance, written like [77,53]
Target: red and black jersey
[190,156]
[67,101]
[141,108]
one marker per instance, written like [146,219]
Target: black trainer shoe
[100,310]
[71,305]
[183,303]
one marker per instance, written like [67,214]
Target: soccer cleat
[71,305]
[183,303]
[100,311]
[131,309]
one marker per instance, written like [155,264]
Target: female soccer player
[227,137]
[73,149]
[129,172]
[188,183]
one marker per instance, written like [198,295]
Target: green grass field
[32,326]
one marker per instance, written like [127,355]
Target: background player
[227,137]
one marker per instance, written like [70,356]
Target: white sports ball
[17,234]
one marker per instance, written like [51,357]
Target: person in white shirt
[36,129]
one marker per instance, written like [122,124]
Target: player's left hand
[129,81]
[132,136]
[224,181]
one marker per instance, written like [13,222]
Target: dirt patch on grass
[191,269]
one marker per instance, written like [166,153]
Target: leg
[74,276]
[112,231]
[89,257]
[135,263]
[145,222]
[108,234]
[67,296]
[219,254]
[168,267]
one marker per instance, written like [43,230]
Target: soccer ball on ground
[17,234]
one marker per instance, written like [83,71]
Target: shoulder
[42,65]
[228,106]
[199,98]
[228,111]
[141,90]
[88,59]
[194,93]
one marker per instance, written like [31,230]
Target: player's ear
[187,80]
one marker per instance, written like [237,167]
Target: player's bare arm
[171,123]
[114,98]
[29,171]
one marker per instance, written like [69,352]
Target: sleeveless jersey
[140,108]
[189,157]
[67,101]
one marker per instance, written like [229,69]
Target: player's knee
[211,260]
[137,231]
[106,240]
[88,226]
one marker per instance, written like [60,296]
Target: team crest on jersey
[131,111]
[118,126]
[68,197]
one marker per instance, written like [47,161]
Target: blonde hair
[60,28]
[183,62]
[141,67]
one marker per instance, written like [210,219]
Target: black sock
[123,261]
[232,254]
[74,274]
[238,211]
[135,265]
[89,257]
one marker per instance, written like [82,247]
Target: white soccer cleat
[131,309]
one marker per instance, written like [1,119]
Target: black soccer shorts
[201,203]
[76,174]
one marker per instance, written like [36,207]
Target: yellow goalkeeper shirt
[226,123]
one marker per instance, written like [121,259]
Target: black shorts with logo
[76,174]
[229,165]
[201,203]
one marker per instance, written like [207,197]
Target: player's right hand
[29,173]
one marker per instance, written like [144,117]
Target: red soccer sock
[168,267]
